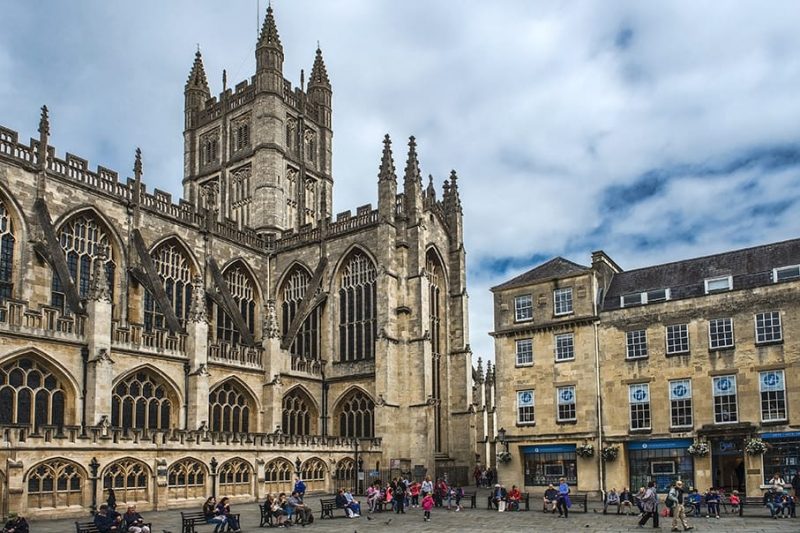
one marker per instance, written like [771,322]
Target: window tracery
[357,310]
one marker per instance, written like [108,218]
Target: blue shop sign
[549,448]
[661,444]
[785,435]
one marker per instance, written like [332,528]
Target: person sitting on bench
[612,498]
[626,501]
[550,499]
[514,496]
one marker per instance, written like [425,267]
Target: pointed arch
[345,474]
[436,275]
[176,269]
[35,390]
[231,404]
[357,294]
[432,254]
[183,245]
[145,398]
[235,477]
[55,483]
[291,292]
[130,480]
[355,413]
[295,263]
[299,412]
[186,479]
[314,472]
[84,233]
[13,231]
[353,248]
[246,293]
[278,475]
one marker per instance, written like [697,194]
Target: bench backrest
[193,515]
[87,527]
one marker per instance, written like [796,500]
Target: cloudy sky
[652,130]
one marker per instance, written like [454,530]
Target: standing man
[300,487]
[678,512]
[650,505]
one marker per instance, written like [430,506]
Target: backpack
[671,498]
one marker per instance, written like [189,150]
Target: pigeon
[388,521]
[369,518]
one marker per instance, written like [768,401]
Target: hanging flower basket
[504,457]
[698,448]
[755,446]
[610,453]
[585,450]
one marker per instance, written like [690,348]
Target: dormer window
[786,273]
[659,295]
[720,284]
[629,300]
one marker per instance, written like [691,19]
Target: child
[427,505]
[735,501]
[459,493]
[697,500]
[414,491]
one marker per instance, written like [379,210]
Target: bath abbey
[244,335]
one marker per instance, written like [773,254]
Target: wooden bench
[328,507]
[89,527]
[471,497]
[525,498]
[581,500]
[753,506]
[198,518]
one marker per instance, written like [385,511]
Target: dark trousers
[647,516]
[561,505]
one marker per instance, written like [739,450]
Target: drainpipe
[600,464]
[325,387]
[85,359]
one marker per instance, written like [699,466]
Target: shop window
[547,464]
[782,455]
[660,461]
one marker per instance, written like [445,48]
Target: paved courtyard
[466,521]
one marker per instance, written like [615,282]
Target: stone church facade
[225,342]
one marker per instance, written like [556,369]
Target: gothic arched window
[83,238]
[244,295]
[186,479]
[229,408]
[30,394]
[6,252]
[278,475]
[299,414]
[435,275]
[356,415]
[129,479]
[173,269]
[141,400]
[345,471]
[307,342]
[313,473]
[235,477]
[55,483]
[357,312]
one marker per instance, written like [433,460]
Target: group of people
[484,477]
[108,520]
[401,493]
[15,524]
[219,514]
[557,499]
[505,500]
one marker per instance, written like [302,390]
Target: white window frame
[761,393]
[518,308]
[777,271]
[780,327]
[688,398]
[628,344]
[709,281]
[735,394]
[664,472]
[645,386]
[721,346]
[532,421]
[556,346]
[648,299]
[517,344]
[573,403]
[641,301]
[556,293]
[666,339]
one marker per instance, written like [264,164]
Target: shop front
[662,461]
[546,464]
[782,455]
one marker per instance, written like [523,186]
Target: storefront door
[728,464]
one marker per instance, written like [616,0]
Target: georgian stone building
[224,342]
[647,363]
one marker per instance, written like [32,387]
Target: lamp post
[358,462]
[501,436]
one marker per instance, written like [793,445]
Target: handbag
[501,506]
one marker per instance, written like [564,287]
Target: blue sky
[652,130]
